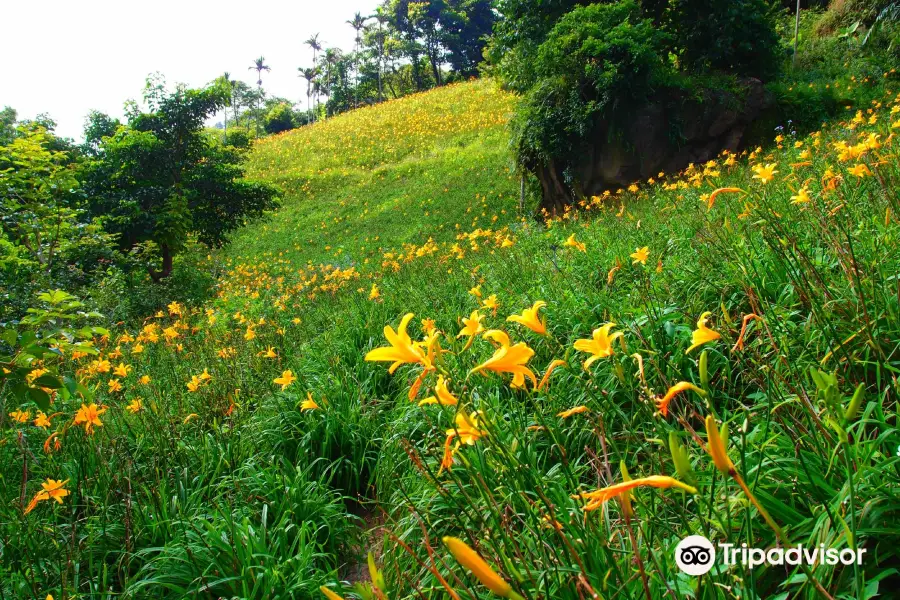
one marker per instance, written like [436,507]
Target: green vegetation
[403,383]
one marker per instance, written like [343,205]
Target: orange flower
[702,334]
[573,243]
[739,345]
[553,365]
[52,490]
[640,255]
[90,416]
[573,411]
[597,498]
[508,359]
[309,403]
[663,403]
[401,349]
[600,345]
[442,395]
[725,190]
[286,379]
[529,318]
[472,327]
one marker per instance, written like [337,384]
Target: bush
[279,118]
[733,36]
[601,59]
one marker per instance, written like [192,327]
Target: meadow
[407,387]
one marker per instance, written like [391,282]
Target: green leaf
[40,397]
[48,381]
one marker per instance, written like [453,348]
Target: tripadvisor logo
[696,555]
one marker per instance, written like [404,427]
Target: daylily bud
[855,402]
[680,458]
[704,369]
[717,445]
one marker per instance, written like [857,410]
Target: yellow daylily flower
[703,334]
[682,386]
[529,318]
[309,403]
[508,359]
[442,394]
[597,498]
[401,349]
[600,345]
[472,327]
[640,255]
[286,379]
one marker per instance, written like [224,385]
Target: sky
[67,58]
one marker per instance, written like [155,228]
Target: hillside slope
[494,383]
[371,180]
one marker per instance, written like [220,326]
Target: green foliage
[48,330]
[599,62]
[279,118]
[161,178]
[730,36]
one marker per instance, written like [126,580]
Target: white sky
[65,57]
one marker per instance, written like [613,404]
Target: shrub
[733,36]
[601,59]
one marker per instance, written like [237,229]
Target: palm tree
[259,65]
[226,79]
[357,23]
[310,76]
[380,37]
[314,43]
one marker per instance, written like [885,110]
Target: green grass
[233,490]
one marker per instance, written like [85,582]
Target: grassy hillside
[359,184]
[263,455]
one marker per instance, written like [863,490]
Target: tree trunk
[555,195]
[166,270]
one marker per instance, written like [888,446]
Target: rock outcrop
[665,135]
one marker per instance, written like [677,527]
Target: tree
[310,76]
[97,125]
[316,46]
[228,83]
[280,117]
[259,65]
[466,26]
[376,38]
[358,23]
[160,179]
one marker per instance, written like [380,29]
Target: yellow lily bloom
[286,379]
[442,395]
[508,359]
[600,345]
[553,365]
[309,403]
[401,349]
[529,318]
[702,334]
[329,594]
[472,327]
[573,243]
[640,255]
[482,571]
[573,411]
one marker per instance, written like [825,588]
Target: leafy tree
[279,118]
[160,178]
[465,28]
[8,118]
[39,194]
[97,125]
